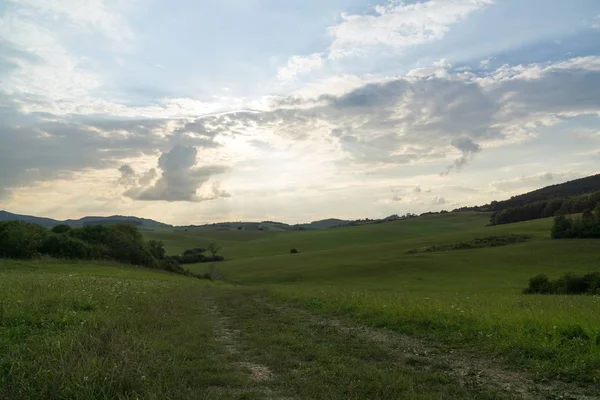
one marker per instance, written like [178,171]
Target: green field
[353,315]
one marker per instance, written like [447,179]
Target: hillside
[45,222]
[404,309]
[266,226]
[49,222]
[571,188]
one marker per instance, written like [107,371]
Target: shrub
[195,251]
[539,284]
[588,226]
[567,284]
[122,242]
[571,284]
[64,246]
[194,256]
[477,243]
[62,228]
[20,239]
[157,249]
[294,251]
[171,265]
[593,282]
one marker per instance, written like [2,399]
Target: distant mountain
[267,226]
[115,219]
[48,222]
[323,224]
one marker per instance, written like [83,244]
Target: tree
[62,228]
[157,249]
[20,239]
[561,228]
[214,248]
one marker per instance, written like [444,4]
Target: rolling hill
[571,188]
[49,222]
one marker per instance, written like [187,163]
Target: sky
[191,112]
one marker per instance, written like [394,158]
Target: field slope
[361,312]
[467,298]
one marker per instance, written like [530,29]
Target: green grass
[327,323]
[103,331]
[463,298]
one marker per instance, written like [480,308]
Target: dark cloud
[401,121]
[38,147]
[418,119]
[128,176]
[468,148]
[179,180]
[555,91]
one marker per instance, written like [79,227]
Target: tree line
[547,208]
[120,242]
[572,188]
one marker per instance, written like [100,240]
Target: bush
[195,251]
[157,249]
[171,265]
[122,242]
[571,284]
[588,226]
[477,243]
[20,239]
[195,256]
[567,284]
[294,251]
[539,284]
[64,246]
[62,228]
[561,227]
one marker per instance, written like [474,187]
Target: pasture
[355,314]
[463,298]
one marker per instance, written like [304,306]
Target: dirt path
[228,337]
[469,369]
[478,377]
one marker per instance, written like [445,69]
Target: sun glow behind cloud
[101,115]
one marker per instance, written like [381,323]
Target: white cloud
[46,75]
[396,25]
[99,15]
[399,25]
[49,71]
[587,133]
[298,65]
[535,71]
[531,182]
[439,69]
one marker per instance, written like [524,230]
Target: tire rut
[464,366]
[260,374]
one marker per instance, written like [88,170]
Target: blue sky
[194,112]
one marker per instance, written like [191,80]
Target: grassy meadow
[462,297]
[354,315]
